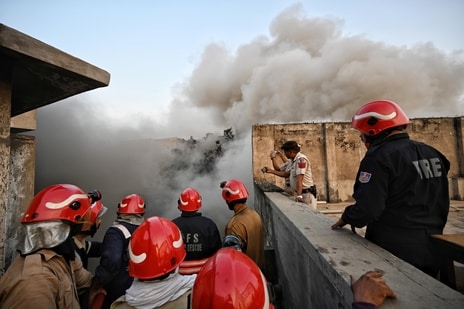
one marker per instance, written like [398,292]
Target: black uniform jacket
[401,194]
[201,235]
[112,271]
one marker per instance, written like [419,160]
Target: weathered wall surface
[314,263]
[20,188]
[335,151]
[5,118]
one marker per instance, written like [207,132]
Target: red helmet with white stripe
[132,204]
[230,279]
[97,210]
[233,190]
[377,116]
[189,200]
[58,202]
[155,249]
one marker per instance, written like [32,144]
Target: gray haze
[305,70]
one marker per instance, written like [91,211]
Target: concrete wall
[5,108]
[314,263]
[335,150]
[20,188]
[17,161]
[17,171]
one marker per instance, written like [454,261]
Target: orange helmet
[189,200]
[377,116]
[132,204]
[230,279]
[233,190]
[155,249]
[58,202]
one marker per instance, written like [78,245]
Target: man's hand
[371,288]
[338,224]
[267,169]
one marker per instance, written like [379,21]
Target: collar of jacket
[240,207]
[387,139]
[190,214]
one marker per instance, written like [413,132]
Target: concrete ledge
[24,122]
[314,263]
[42,74]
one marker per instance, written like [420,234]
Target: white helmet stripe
[178,243]
[66,202]
[231,191]
[376,115]
[182,201]
[137,259]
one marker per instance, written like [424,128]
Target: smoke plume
[305,70]
[308,71]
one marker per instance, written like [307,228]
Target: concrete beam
[24,122]
[42,74]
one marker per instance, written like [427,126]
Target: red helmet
[58,202]
[155,249]
[233,190]
[189,200]
[377,116]
[97,210]
[230,279]
[132,204]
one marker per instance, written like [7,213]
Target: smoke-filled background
[305,69]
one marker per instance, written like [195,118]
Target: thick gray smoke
[308,71]
[77,145]
[305,70]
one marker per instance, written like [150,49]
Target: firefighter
[111,272]
[201,235]
[47,273]
[246,223]
[156,250]
[401,189]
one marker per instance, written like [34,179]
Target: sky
[151,48]
[188,68]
